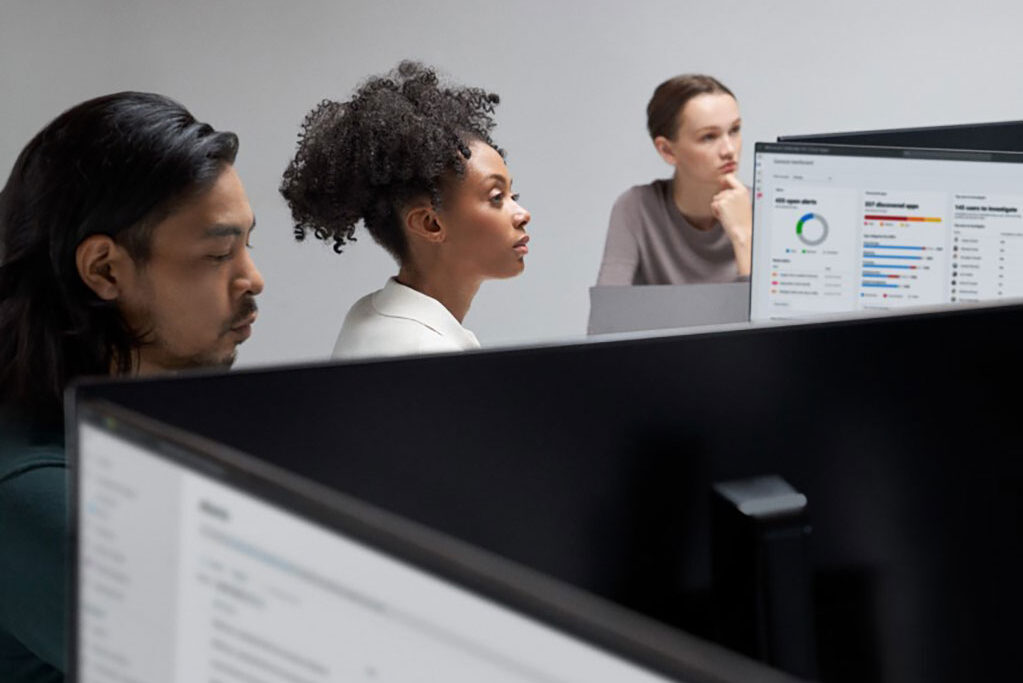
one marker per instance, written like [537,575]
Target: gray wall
[574,79]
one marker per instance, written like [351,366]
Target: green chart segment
[812,229]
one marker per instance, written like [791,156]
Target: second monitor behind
[1006,136]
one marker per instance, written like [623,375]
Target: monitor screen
[842,228]
[184,574]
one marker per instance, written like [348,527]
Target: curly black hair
[401,137]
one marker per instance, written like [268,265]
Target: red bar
[917,219]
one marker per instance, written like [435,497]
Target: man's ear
[421,221]
[101,265]
[663,147]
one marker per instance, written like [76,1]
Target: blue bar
[880,284]
[884,265]
[873,255]
[876,275]
[875,245]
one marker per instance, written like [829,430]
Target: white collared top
[396,321]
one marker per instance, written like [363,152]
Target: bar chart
[903,249]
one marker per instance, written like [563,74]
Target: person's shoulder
[638,196]
[637,193]
[364,304]
[367,331]
[23,451]
[383,336]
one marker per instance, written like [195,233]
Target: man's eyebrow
[226,230]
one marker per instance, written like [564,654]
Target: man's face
[193,300]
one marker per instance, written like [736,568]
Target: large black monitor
[1004,136]
[594,462]
[841,228]
[194,562]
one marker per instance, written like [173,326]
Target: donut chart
[812,229]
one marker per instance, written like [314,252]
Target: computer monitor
[850,228]
[595,463]
[1006,136]
[197,563]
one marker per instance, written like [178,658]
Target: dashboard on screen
[841,228]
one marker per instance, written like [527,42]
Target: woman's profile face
[484,224]
[708,141]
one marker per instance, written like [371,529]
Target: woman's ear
[664,148]
[101,262]
[421,221]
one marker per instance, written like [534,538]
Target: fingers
[730,182]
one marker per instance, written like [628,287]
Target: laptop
[658,307]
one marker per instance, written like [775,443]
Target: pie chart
[812,229]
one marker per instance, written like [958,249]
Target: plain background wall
[574,78]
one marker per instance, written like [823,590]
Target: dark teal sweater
[33,555]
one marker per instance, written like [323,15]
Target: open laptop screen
[193,569]
[843,228]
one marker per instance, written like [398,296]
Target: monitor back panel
[593,463]
[655,307]
[1004,136]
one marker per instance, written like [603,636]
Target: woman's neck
[454,293]
[693,202]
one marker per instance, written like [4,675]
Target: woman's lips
[520,247]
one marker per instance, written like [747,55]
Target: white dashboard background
[574,77]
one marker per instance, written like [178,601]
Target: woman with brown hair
[695,226]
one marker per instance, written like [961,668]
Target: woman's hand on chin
[734,210]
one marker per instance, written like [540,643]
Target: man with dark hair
[123,250]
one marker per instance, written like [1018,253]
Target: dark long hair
[116,165]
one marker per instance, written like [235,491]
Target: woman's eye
[708,137]
[497,198]
[515,197]
[220,258]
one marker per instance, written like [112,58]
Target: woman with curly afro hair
[413,160]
